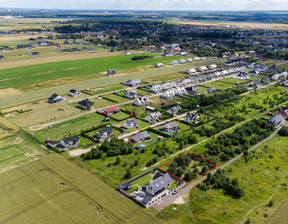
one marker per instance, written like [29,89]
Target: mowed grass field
[56,191]
[263,178]
[92,83]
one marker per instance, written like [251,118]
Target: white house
[141,100]
[181,61]
[202,68]
[156,88]
[213,66]
[74,93]
[168,94]
[180,91]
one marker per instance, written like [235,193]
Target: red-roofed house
[111,110]
[284,113]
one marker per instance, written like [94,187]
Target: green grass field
[96,82]
[116,98]
[56,190]
[263,179]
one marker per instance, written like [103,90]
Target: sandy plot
[9,92]
[8,38]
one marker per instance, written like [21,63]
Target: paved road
[171,198]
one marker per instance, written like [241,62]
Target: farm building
[170,127]
[85,104]
[153,117]
[130,94]
[74,93]
[174,110]
[141,100]
[55,98]
[131,123]
[103,134]
[132,83]
[140,137]
[190,117]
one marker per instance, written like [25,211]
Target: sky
[149,4]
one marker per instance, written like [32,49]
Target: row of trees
[141,57]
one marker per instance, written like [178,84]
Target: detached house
[112,72]
[141,100]
[156,88]
[55,98]
[168,94]
[131,94]
[275,76]
[74,93]
[71,141]
[132,83]
[190,117]
[159,65]
[180,91]
[276,120]
[103,134]
[2,57]
[213,66]
[131,123]
[170,127]
[85,104]
[174,110]
[192,89]
[153,117]
[34,54]
[212,90]
[111,110]
[265,80]
[284,113]
[191,71]
[158,184]
[140,137]
[284,82]
[174,62]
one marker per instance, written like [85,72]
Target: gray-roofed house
[85,104]
[174,110]
[131,94]
[74,93]
[34,54]
[55,98]
[276,120]
[265,80]
[103,134]
[71,141]
[174,62]
[212,90]
[153,117]
[140,137]
[112,72]
[141,100]
[131,123]
[284,82]
[170,127]
[275,76]
[256,82]
[156,88]
[158,184]
[190,117]
[132,83]
[191,90]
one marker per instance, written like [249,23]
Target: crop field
[54,189]
[17,149]
[263,178]
[96,82]
[72,127]
[6,127]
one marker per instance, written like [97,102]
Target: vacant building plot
[115,98]
[54,189]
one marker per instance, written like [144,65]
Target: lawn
[158,102]
[139,111]
[115,98]
[72,127]
[263,179]
[56,190]
[120,116]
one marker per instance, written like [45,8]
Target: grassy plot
[263,179]
[115,98]
[54,189]
[18,149]
[71,127]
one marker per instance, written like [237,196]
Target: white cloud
[151,4]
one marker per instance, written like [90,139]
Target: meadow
[263,179]
[56,190]
[96,82]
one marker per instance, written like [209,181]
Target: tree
[118,161]
[127,174]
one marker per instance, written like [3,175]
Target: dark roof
[74,139]
[170,125]
[54,96]
[141,135]
[99,133]
[86,103]
[161,182]
[73,91]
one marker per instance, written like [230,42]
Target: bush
[283,131]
